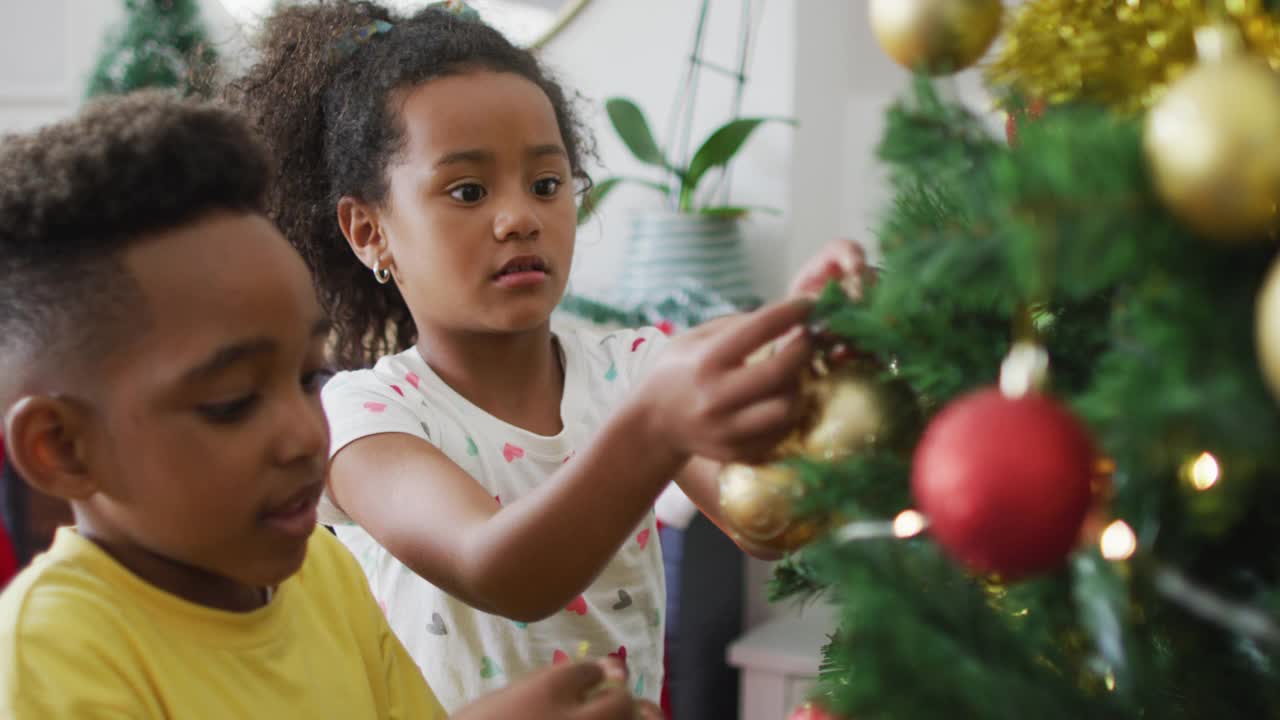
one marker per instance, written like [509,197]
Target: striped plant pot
[666,252]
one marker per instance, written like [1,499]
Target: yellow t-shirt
[82,637]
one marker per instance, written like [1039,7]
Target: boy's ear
[359,223]
[46,439]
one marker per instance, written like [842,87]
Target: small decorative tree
[161,43]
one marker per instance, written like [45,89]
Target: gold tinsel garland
[1117,53]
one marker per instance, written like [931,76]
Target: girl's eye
[469,193]
[231,412]
[546,187]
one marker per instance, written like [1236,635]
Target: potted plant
[696,240]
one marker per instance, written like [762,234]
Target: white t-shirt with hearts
[463,652]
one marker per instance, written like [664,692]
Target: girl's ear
[359,223]
[46,439]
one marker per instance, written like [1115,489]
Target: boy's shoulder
[78,630]
[58,588]
[75,594]
[60,616]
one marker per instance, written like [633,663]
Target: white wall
[47,49]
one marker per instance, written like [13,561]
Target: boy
[161,350]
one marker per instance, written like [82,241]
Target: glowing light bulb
[1204,472]
[909,523]
[1118,541]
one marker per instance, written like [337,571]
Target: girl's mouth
[521,271]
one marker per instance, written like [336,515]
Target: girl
[494,479]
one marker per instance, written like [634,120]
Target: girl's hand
[573,691]
[703,399]
[841,260]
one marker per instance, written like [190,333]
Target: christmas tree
[161,43]
[1042,473]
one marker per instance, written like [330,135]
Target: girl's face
[480,216]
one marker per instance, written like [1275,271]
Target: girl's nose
[517,219]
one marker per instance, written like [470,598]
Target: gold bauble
[758,503]
[1266,322]
[1212,146]
[936,36]
[854,410]
[797,535]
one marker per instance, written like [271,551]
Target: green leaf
[629,121]
[719,149]
[600,190]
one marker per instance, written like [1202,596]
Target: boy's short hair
[75,194]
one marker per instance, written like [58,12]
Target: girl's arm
[525,561]
[528,560]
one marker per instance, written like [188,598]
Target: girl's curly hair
[322,94]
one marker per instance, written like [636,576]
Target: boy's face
[208,444]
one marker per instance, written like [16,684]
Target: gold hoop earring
[381,274]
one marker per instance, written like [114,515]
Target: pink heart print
[375,407]
[412,379]
[643,538]
[512,453]
[636,344]
[620,653]
[559,657]
[398,390]
[579,606]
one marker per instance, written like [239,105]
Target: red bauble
[1005,482]
[811,711]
